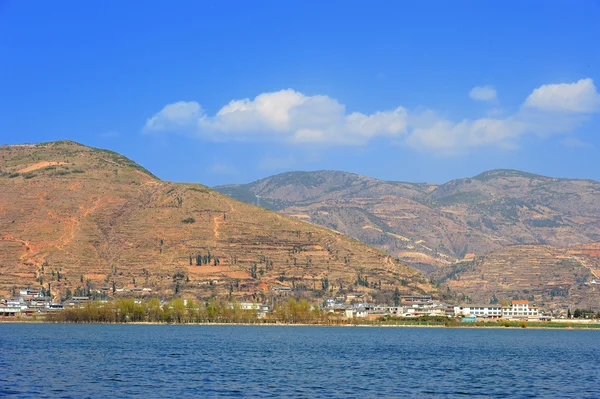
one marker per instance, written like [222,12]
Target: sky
[219,92]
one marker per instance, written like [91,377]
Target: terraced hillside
[429,226]
[554,278]
[79,218]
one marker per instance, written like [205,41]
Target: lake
[177,361]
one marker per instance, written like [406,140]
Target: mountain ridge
[75,217]
[469,215]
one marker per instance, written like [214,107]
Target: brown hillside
[95,217]
[430,226]
[554,278]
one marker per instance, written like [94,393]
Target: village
[352,306]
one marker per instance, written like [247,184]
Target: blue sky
[220,92]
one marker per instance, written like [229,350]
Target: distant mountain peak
[496,173]
[57,153]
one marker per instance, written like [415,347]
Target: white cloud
[578,97]
[292,117]
[429,131]
[286,115]
[483,93]
[446,137]
[175,115]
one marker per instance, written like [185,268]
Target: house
[391,310]
[353,296]
[329,303]
[415,299]
[40,302]
[481,311]
[261,309]
[7,311]
[520,309]
[16,303]
[31,293]
[282,290]
[358,312]
[419,311]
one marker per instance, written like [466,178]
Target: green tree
[155,311]
[396,297]
[177,306]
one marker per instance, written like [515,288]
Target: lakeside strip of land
[594,325]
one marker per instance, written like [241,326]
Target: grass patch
[200,190]
[60,173]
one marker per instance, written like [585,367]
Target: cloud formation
[549,110]
[292,117]
[578,97]
[285,115]
[483,93]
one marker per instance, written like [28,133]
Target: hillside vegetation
[78,219]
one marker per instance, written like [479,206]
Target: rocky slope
[554,278]
[430,226]
[77,217]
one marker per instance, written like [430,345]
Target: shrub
[188,220]
[200,190]
[523,324]
[60,173]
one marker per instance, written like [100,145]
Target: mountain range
[500,235]
[431,225]
[84,220]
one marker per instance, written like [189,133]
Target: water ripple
[135,361]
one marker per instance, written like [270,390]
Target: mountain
[78,218]
[430,226]
[554,278]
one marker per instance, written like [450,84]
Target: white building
[261,309]
[17,303]
[482,311]
[358,312]
[520,309]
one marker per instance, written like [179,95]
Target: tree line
[124,310]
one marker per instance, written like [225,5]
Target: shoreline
[530,325]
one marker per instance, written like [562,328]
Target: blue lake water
[165,361]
